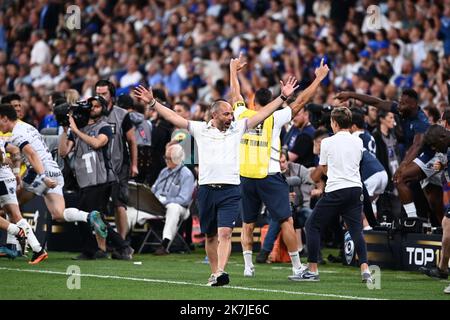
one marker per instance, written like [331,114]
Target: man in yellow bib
[261,179]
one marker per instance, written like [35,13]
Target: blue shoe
[96,222]
[8,253]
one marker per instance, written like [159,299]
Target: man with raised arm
[261,179]
[218,149]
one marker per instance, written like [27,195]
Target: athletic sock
[12,242]
[31,238]
[410,209]
[295,259]
[248,258]
[13,229]
[74,215]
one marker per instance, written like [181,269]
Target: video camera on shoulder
[80,112]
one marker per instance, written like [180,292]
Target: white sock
[248,258]
[295,259]
[11,239]
[73,215]
[13,229]
[411,210]
[31,238]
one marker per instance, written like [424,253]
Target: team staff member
[218,149]
[261,178]
[340,157]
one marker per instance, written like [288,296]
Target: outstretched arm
[366,99]
[286,90]
[235,88]
[304,97]
[146,95]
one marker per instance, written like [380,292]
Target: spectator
[174,188]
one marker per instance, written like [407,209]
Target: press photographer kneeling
[89,138]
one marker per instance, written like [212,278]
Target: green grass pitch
[183,276]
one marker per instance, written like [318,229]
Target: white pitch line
[189,283]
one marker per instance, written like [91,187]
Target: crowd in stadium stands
[182,49]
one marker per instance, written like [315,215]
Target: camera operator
[89,137]
[123,154]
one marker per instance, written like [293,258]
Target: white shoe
[249,272]
[447,290]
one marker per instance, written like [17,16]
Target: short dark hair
[8,110]
[434,133]
[184,104]
[106,83]
[263,96]
[433,112]
[342,116]
[320,132]
[10,97]
[411,93]
[358,119]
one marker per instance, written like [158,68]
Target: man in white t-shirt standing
[340,157]
[218,150]
[261,178]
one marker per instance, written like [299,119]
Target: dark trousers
[346,202]
[96,198]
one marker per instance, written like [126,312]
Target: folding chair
[152,233]
[142,198]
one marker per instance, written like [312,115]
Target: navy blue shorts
[218,207]
[272,190]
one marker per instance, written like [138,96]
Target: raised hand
[146,95]
[238,63]
[290,86]
[322,71]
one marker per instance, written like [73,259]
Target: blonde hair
[72,96]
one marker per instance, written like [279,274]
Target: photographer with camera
[88,138]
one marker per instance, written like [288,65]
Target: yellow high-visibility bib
[255,146]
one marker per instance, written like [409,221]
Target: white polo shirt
[218,152]
[280,118]
[342,153]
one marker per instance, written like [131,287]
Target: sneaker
[123,254]
[8,253]
[96,222]
[304,275]
[84,256]
[434,272]
[447,290]
[218,280]
[211,280]
[38,257]
[249,272]
[262,256]
[366,277]
[161,251]
[100,254]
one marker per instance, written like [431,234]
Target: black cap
[125,101]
